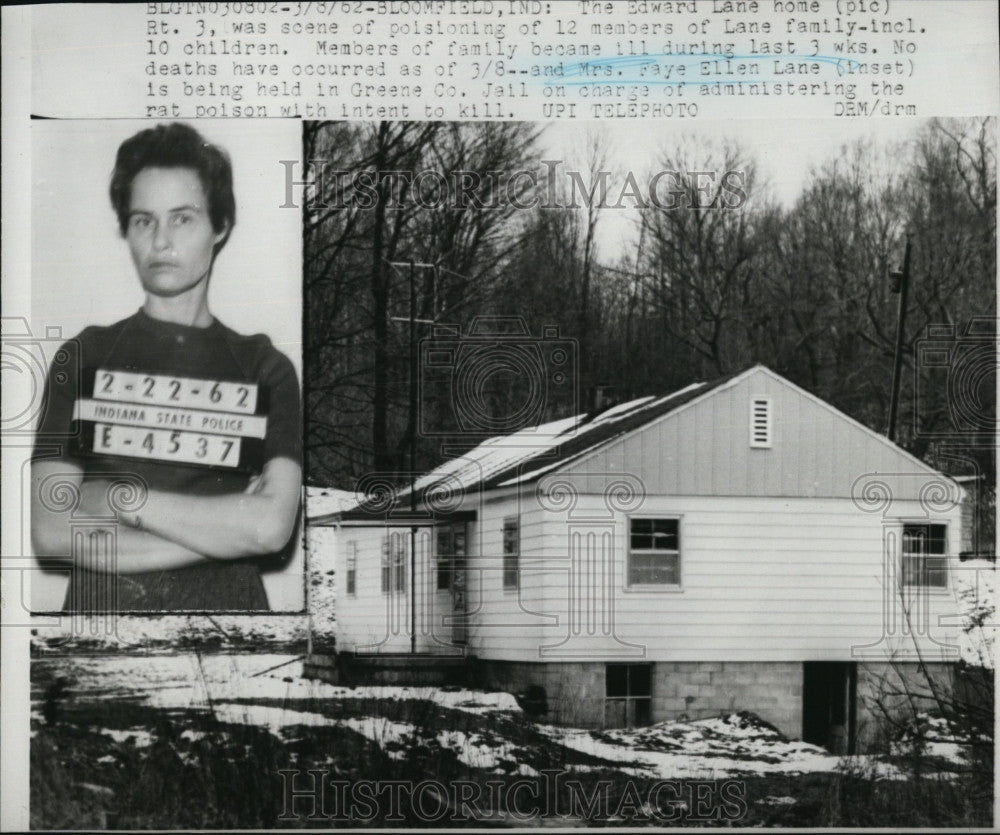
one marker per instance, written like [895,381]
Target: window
[386,566]
[654,557]
[445,558]
[394,562]
[925,549]
[399,561]
[351,563]
[627,695]
[511,553]
[450,554]
[760,422]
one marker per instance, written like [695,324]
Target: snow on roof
[497,454]
[611,416]
[322,501]
[622,408]
[537,444]
[500,460]
[522,456]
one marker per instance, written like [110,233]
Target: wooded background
[695,294]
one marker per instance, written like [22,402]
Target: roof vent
[760,422]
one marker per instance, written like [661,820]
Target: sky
[786,152]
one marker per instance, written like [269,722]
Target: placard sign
[183,420]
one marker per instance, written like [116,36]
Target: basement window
[760,423]
[925,550]
[627,695]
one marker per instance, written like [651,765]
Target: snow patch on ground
[137,736]
[274,719]
[94,787]
[189,680]
[230,684]
[322,547]
[481,751]
[735,744]
[931,736]
[726,746]
[393,737]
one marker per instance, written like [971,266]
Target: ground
[239,739]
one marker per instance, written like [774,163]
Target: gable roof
[524,457]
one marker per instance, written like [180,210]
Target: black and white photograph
[163,427]
[499,415]
[648,482]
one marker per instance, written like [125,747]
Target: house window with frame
[511,552]
[445,558]
[925,555]
[627,695]
[351,568]
[450,554]
[654,556]
[394,563]
[399,562]
[386,566]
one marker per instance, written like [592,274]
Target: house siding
[373,621]
[703,449]
[761,580]
[507,623]
[788,554]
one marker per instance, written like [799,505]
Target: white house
[739,544]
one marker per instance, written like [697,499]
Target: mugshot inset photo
[167,466]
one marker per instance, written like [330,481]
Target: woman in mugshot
[201,423]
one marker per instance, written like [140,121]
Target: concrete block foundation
[575,691]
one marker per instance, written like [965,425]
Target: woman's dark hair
[176,146]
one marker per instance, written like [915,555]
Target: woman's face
[169,232]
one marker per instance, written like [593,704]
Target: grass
[859,798]
[198,771]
